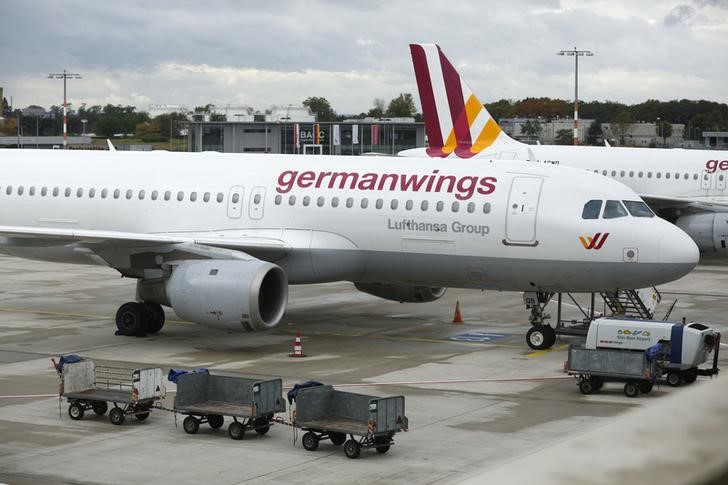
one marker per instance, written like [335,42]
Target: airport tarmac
[477,397]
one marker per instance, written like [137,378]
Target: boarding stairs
[638,304]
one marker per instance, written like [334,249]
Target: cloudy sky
[280,52]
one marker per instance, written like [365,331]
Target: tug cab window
[591,209]
[638,208]
[614,209]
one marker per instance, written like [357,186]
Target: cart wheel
[352,449]
[75,410]
[261,425]
[215,421]
[310,441]
[689,376]
[337,438]
[191,425]
[645,387]
[236,430]
[587,386]
[142,416]
[100,407]
[674,379]
[598,382]
[382,445]
[116,416]
[631,389]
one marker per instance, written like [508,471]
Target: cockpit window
[591,209]
[638,208]
[614,209]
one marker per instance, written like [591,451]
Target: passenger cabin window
[306,200]
[129,193]
[364,203]
[349,202]
[409,204]
[91,193]
[277,200]
[591,209]
[205,198]
[67,192]
[486,208]
[423,205]
[320,201]
[167,195]
[291,200]
[614,209]
[393,204]
[141,195]
[180,196]
[379,204]
[439,206]
[104,193]
[44,191]
[193,196]
[20,190]
[220,196]
[155,194]
[638,208]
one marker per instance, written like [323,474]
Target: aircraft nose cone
[678,251]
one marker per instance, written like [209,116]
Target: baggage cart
[325,413]
[88,386]
[206,398]
[594,367]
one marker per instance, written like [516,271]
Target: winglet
[455,120]
[111,145]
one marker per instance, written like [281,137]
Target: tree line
[698,115]
[110,120]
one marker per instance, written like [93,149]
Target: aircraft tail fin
[456,122]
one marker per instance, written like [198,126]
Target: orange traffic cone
[458,318]
[297,347]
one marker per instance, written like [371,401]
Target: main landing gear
[139,319]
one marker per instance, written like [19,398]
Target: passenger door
[522,211]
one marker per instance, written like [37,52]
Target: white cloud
[281,52]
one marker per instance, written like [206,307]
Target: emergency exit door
[523,211]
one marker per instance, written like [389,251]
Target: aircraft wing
[660,203]
[131,253]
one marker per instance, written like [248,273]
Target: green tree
[564,137]
[663,130]
[595,134]
[621,124]
[403,106]
[531,128]
[321,107]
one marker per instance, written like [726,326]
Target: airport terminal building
[348,137]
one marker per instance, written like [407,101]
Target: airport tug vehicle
[638,352]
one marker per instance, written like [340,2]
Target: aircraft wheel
[538,337]
[155,317]
[131,319]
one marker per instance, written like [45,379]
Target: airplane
[219,237]
[686,187]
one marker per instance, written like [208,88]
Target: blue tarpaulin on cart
[174,374]
[68,359]
[294,390]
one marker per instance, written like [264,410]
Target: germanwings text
[463,187]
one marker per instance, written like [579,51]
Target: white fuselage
[689,174]
[493,224]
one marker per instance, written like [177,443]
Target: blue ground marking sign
[482,337]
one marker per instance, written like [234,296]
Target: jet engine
[401,293]
[709,230]
[228,294]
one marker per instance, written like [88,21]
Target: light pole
[658,129]
[576,53]
[83,122]
[64,75]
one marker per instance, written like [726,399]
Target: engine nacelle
[228,294]
[709,231]
[401,293]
